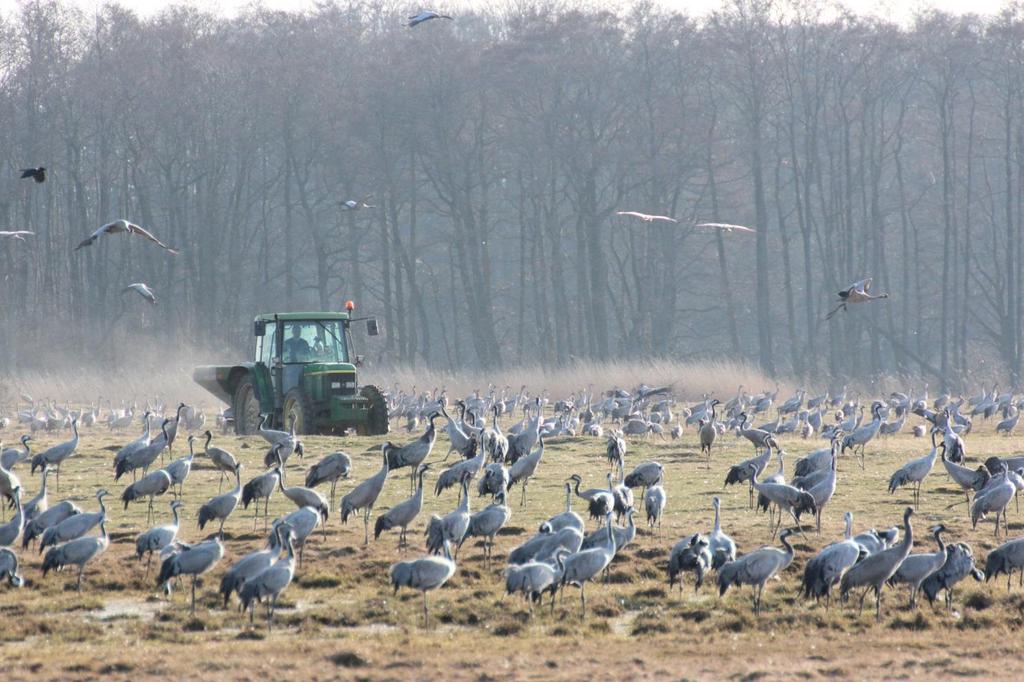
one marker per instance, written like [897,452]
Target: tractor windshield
[314,341]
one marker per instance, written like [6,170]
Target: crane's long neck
[908,533]
[785,543]
[174,513]
[464,502]
[104,538]
[848,534]
[939,542]
[718,521]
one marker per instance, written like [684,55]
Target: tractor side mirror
[359,360]
[371,327]
[259,328]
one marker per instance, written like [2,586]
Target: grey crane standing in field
[622,493]
[758,437]
[587,564]
[600,501]
[916,568]
[283,448]
[994,498]
[826,569]
[38,504]
[56,455]
[566,519]
[221,506]
[74,526]
[333,467]
[874,571]
[155,539]
[10,531]
[787,499]
[261,488]
[451,527]
[494,480]
[222,460]
[858,292]
[534,578]
[250,565]
[914,473]
[615,450]
[654,505]
[645,475]
[967,479]
[1006,558]
[747,469]
[271,582]
[143,457]
[11,456]
[77,552]
[303,522]
[152,484]
[403,513]
[412,454]
[180,468]
[721,546]
[424,574]
[524,468]
[9,568]
[756,568]
[708,432]
[47,519]
[487,522]
[8,482]
[959,564]
[364,496]
[467,467]
[822,491]
[140,442]
[304,497]
[194,561]
[862,435]
[689,554]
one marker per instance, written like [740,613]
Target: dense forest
[495,150]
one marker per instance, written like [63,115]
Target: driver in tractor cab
[296,349]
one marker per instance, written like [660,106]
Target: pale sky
[896,10]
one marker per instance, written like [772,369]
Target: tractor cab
[303,370]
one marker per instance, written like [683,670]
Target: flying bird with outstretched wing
[16,234]
[37,174]
[646,217]
[426,15]
[142,290]
[726,227]
[354,205]
[858,292]
[122,226]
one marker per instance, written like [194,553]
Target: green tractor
[302,369]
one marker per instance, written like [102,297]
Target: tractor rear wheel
[377,423]
[246,407]
[297,404]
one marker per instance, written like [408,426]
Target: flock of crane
[494,460]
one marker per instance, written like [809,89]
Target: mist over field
[491,155]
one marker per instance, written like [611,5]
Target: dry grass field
[339,618]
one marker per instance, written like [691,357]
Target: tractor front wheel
[377,423]
[297,405]
[246,407]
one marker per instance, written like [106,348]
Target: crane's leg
[192,608]
[270,613]
[797,522]
[522,501]
[220,483]
[221,531]
[583,599]
[366,528]
[426,610]
[878,604]
[334,484]
[255,514]
[266,513]
[148,562]
[78,584]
